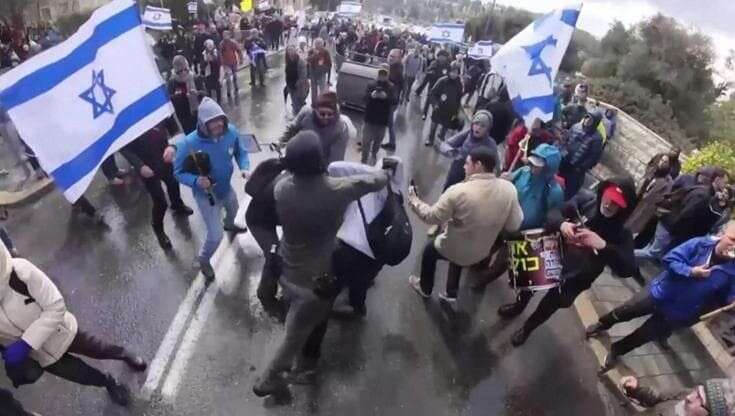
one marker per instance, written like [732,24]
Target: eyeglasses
[181,71]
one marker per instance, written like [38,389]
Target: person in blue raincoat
[219,139]
[699,276]
[539,195]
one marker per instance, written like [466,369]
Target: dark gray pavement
[405,358]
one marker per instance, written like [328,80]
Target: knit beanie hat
[483,118]
[179,62]
[305,155]
[327,100]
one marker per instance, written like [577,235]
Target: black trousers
[428,269]
[72,368]
[654,329]
[109,168]
[85,206]
[556,299]
[264,232]
[155,189]
[355,271]
[9,406]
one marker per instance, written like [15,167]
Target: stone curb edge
[588,315]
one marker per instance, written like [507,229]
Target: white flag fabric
[530,61]
[447,32]
[483,49]
[157,18]
[349,8]
[84,99]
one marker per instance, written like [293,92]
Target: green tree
[721,117]
[668,60]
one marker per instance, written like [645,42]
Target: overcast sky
[713,17]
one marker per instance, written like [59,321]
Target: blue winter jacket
[221,152]
[583,149]
[681,298]
[538,195]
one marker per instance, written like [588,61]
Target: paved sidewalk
[691,359]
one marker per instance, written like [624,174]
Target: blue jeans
[657,248]
[391,126]
[212,216]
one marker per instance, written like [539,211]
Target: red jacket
[513,144]
[230,52]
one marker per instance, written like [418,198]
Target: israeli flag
[447,32]
[530,61]
[84,99]
[157,18]
[483,49]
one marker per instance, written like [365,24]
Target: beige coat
[44,324]
[474,212]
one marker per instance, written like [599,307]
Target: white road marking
[166,349]
[188,345]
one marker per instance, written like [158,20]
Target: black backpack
[390,234]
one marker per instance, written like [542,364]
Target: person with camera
[204,163]
[380,97]
[38,334]
[699,276]
[311,207]
[445,96]
[469,232]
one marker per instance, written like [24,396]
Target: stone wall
[632,147]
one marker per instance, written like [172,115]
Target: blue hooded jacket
[221,152]
[583,149]
[533,189]
[681,298]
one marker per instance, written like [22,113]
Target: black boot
[273,384]
[182,210]
[135,362]
[511,310]
[119,393]
[596,329]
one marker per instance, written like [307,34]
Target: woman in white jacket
[37,331]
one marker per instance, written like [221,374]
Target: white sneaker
[415,283]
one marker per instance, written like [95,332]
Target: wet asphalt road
[406,358]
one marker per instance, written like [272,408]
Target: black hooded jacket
[583,263]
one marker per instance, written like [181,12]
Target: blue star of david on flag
[99,95]
[529,62]
[538,66]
